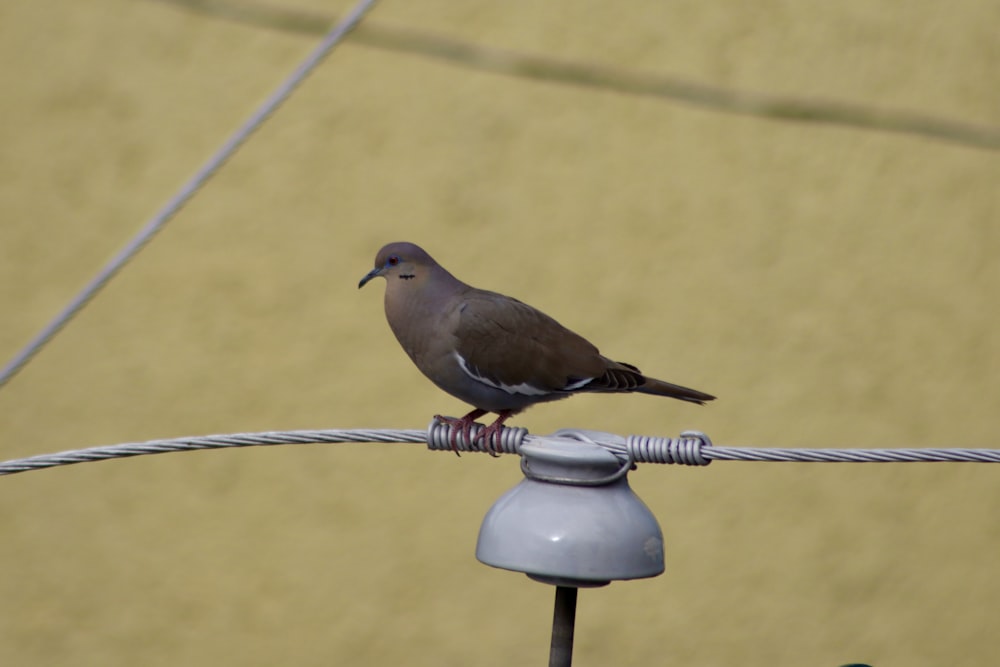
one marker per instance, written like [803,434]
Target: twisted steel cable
[691,448]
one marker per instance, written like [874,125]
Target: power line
[691,448]
[595,76]
[90,290]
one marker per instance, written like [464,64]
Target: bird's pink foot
[462,425]
[491,434]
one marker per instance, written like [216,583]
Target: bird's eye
[393,260]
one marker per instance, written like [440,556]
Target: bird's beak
[377,271]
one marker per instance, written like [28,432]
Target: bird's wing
[512,346]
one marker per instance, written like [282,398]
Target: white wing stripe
[573,386]
[523,388]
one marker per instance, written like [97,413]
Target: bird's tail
[661,388]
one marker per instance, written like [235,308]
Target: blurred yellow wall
[833,286]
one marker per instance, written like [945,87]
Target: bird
[492,351]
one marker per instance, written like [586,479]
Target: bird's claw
[488,435]
[491,434]
[461,426]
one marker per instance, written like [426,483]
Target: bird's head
[400,261]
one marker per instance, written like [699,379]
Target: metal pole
[563,620]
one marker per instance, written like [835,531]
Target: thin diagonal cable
[545,68]
[214,163]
